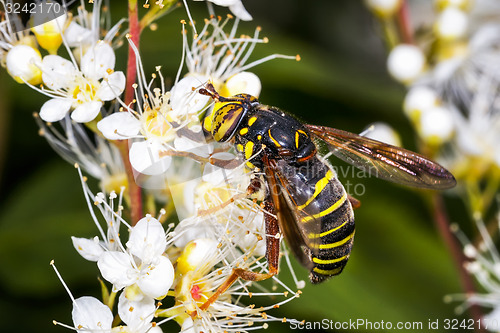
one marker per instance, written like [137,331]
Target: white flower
[155,124]
[84,91]
[406,62]
[143,263]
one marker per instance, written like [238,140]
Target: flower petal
[156,280]
[55,109]
[90,249]
[116,268]
[136,314]
[147,239]
[86,112]
[98,60]
[58,72]
[76,35]
[145,158]
[111,87]
[217,175]
[119,126]
[90,314]
[184,100]
[189,229]
[202,148]
[240,12]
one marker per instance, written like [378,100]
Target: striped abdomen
[325,216]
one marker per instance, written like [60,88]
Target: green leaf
[37,222]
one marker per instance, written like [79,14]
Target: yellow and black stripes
[325,212]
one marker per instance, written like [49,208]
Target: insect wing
[285,186]
[385,161]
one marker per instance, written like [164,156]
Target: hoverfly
[312,209]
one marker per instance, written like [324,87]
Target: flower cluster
[452,82]
[150,143]
[182,266]
[446,55]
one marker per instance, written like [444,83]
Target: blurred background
[399,270]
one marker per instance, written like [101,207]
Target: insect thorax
[267,130]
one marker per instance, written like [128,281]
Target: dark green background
[399,269]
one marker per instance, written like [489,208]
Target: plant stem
[442,222]
[404,23]
[135,192]
[135,33]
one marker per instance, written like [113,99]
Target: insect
[312,209]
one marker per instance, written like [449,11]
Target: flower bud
[406,62]
[418,100]
[23,64]
[384,133]
[195,254]
[451,24]
[244,82]
[436,125]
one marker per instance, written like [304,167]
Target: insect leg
[272,256]
[355,203]
[272,248]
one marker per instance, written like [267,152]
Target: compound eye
[226,119]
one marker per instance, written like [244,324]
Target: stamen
[62,282]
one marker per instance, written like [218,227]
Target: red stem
[442,222]
[135,192]
[135,33]
[404,23]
